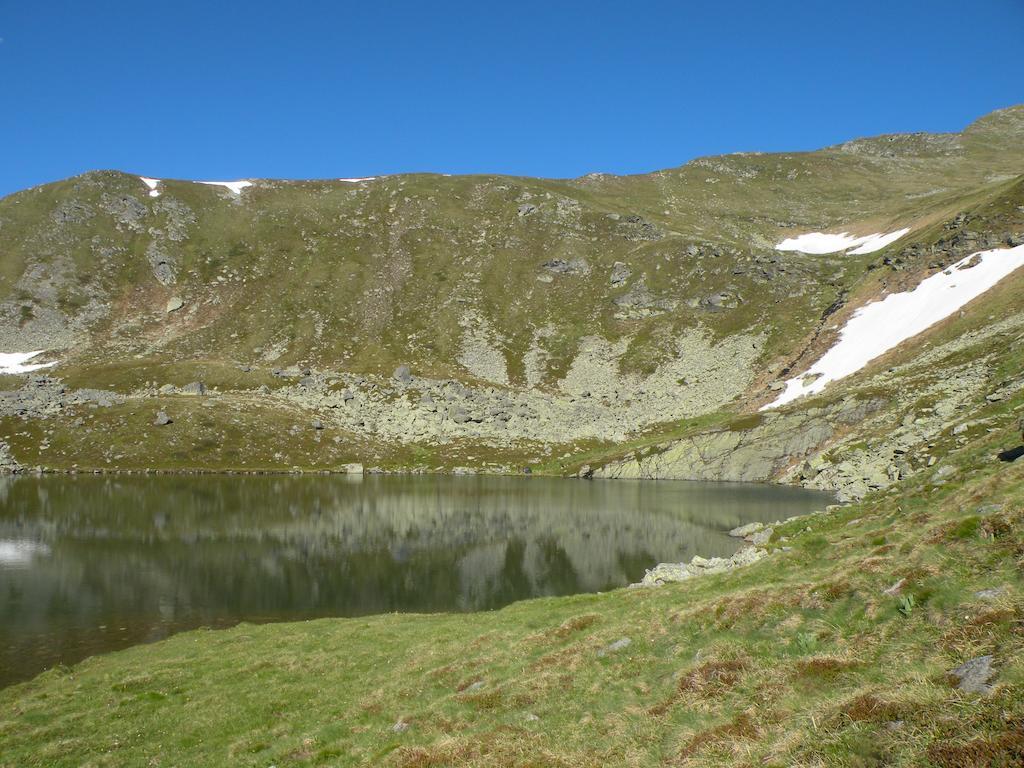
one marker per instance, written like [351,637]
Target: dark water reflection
[89,565]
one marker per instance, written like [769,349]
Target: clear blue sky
[225,90]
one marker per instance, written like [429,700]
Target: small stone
[478,685]
[973,675]
[402,374]
[162,419]
[174,304]
[400,727]
[531,718]
[618,645]
[895,589]
[353,469]
[317,424]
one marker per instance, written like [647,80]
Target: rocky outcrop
[760,452]
[666,573]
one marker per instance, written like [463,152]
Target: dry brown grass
[1003,750]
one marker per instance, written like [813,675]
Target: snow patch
[152,184]
[356,181]
[14,362]
[234,186]
[878,242]
[821,242]
[879,326]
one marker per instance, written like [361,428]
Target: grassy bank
[803,659]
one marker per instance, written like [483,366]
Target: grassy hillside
[835,650]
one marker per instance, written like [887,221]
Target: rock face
[758,453]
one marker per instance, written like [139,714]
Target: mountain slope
[544,322]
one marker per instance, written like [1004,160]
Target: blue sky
[225,90]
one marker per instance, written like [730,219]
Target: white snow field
[879,326]
[152,184]
[234,186]
[821,242]
[357,180]
[14,362]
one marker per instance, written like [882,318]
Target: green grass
[802,659]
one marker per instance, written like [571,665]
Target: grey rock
[174,304]
[762,537]
[162,419]
[317,424]
[990,594]
[478,685]
[193,388]
[526,209]
[459,415]
[620,273]
[402,374]
[400,727]
[973,675]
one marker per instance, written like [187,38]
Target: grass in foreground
[803,659]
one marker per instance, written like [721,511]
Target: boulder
[402,374]
[162,419]
[973,675]
[746,530]
[762,537]
[194,388]
[174,304]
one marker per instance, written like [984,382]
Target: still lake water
[93,564]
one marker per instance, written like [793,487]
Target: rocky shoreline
[755,535]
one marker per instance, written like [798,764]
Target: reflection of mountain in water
[185,551]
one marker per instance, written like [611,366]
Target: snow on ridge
[880,326]
[152,184]
[357,180]
[234,186]
[820,242]
[14,362]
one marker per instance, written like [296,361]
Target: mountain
[608,325]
